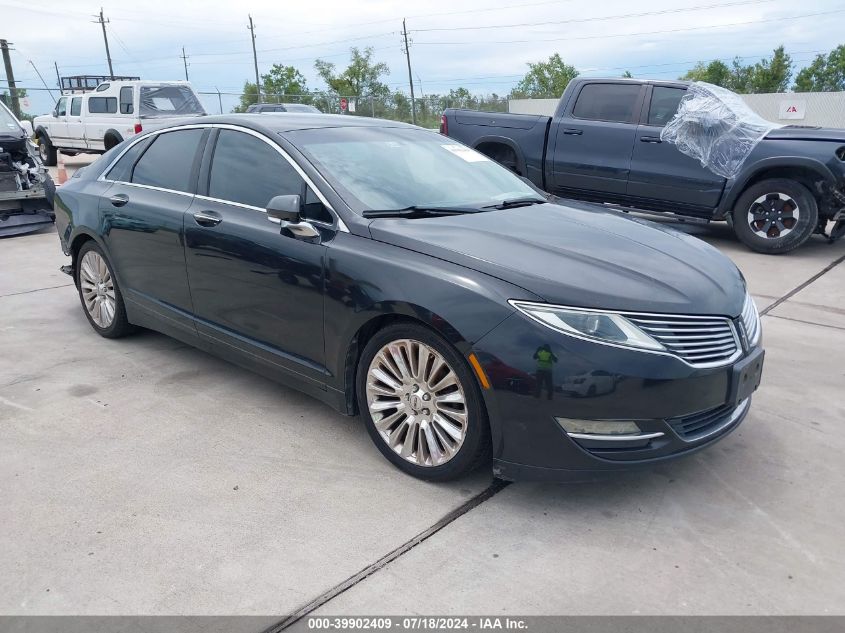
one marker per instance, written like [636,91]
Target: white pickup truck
[96,121]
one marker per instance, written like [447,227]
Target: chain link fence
[394,106]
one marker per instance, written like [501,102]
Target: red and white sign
[343,104]
[792,109]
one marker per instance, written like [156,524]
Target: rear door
[661,176]
[142,215]
[594,139]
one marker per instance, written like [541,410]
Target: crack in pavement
[494,488]
[26,292]
[801,287]
[785,318]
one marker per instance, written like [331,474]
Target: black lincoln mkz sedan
[392,272]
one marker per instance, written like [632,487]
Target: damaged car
[26,189]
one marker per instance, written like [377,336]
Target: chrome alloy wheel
[416,402]
[97,287]
[773,215]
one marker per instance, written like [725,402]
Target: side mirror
[27,127]
[285,208]
[287,211]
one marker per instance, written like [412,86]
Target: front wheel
[46,151]
[421,403]
[775,216]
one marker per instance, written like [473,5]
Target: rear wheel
[46,151]
[99,293]
[421,404]
[775,216]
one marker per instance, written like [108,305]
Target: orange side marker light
[479,371]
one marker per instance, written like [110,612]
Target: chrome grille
[750,321]
[702,341]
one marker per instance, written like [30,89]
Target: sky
[483,45]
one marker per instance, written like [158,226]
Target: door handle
[573,131]
[650,139]
[119,199]
[207,218]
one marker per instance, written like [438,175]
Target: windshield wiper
[415,211]
[512,203]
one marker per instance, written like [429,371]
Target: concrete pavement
[141,476]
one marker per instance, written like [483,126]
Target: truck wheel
[46,151]
[775,216]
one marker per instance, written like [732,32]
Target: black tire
[778,240]
[476,447]
[119,325]
[46,151]
[110,141]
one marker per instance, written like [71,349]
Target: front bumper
[679,409]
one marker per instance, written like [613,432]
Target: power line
[570,38]
[598,19]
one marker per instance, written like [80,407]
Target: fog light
[598,427]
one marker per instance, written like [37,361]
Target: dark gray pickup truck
[604,144]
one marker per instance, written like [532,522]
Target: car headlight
[592,325]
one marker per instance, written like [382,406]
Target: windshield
[169,101]
[8,123]
[396,168]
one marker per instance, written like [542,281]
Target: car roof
[291,121]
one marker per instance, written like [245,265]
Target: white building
[825,109]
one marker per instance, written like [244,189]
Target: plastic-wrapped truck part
[716,127]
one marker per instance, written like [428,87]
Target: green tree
[276,84]
[545,79]
[627,75]
[716,72]
[770,74]
[824,74]
[361,80]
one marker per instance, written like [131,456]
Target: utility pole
[410,77]
[103,23]
[58,77]
[46,87]
[10,77]
[255,58]
[185,61]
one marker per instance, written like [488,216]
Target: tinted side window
[61,107]
[607,102]
[122,170]
[169,161]
[102,105]
[126,102]
[76,106]
[664,104]
[247,170]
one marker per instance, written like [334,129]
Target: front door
[257,291]
[143,214]
[660,172]
[593,141]
[75,126]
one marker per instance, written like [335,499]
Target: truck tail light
[444,125]
[138,128]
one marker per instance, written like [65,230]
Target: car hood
[582,256]
[806,133]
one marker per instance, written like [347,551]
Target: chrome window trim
[516,303]
[341,225]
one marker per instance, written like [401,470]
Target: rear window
[169,101]
[126,105]
[169,161]
[607,102]
[102,105]
[76,106]
[664,104]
